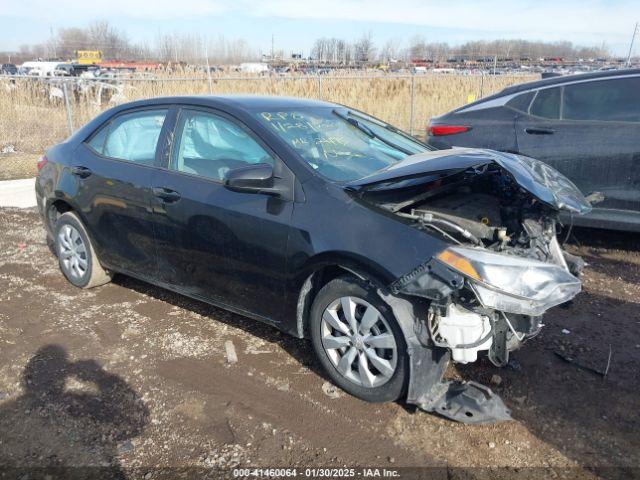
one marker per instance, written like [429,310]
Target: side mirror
[257,178]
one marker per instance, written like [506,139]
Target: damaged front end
[503,268]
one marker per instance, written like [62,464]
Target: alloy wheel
[359,342]
[72,252]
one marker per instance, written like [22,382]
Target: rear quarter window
[96,142]
[546,103]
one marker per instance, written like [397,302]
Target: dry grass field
[33,115]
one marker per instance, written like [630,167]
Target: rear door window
[132,137]
[546,103]
[521,102]
[606,100]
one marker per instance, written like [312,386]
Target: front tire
[76,255]
[358,341]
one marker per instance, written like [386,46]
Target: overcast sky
[296,23]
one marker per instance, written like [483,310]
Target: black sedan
[326,223]
[587,126]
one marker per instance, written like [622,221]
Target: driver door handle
[166,194]
[539,131]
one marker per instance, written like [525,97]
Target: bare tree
[364,49]
[390,51]
[68,40]
[417,48]
[112,42]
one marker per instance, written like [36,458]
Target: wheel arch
[57,206]
[323,268]
[54,209]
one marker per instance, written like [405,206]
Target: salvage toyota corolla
[327,223]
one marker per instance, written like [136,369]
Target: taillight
[42,161]
[440,130]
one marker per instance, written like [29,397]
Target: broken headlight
[509,283]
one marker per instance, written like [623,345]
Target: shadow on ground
[71,414]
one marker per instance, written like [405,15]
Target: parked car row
[586,126]
[45,69]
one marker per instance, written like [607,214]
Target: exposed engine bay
[503,235]
[485,208]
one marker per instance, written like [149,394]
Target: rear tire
[358,341]
[76,255]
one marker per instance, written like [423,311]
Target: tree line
[418,48]
[196,49]
[115,45]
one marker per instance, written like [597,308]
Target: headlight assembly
[512,284]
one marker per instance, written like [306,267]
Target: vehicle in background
[586,126]
[8,69]
[63,70]
[326,223]
[24,69]
[91,71]
[261,68]
[72,69]
[42,69]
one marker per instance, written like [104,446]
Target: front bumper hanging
[466,402]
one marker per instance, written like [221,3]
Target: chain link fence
[37,112]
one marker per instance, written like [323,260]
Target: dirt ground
[135,378]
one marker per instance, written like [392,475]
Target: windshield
[339,144]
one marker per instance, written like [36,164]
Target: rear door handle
[539,131]
[166,194]
[80,171]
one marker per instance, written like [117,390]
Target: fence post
[67,107]
[319,87]
[206,54]
[412,110]
[481,84]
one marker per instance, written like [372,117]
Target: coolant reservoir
[462,327]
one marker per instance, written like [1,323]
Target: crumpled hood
[542,181]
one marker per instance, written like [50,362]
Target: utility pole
[175,47]
[633,37]
[53,43]
[206,54]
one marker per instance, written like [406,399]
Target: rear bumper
[41,201]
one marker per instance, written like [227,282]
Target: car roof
[569,78]
[547,82]
[234,102]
